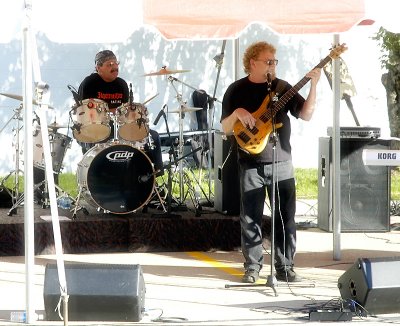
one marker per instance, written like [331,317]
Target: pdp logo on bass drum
[119,156]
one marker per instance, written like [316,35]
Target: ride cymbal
[20,98]
[164,71]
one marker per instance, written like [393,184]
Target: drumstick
[150,98]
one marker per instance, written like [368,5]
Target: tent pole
[336,155]
[28,159]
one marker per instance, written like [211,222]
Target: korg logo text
[386,156]
[119,155]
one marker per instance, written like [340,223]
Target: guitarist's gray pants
[255,178]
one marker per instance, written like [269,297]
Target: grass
[306,183]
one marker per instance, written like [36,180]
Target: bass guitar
[255,139]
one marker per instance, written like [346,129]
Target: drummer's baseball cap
[104,56]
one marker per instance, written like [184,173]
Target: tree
[390,60]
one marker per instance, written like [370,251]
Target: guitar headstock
[337,50]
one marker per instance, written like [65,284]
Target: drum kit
[59,143]
[115,175]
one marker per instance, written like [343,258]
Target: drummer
[104,84]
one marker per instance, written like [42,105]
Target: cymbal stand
[194,185]
[15,189]
[211,101]
[181,140]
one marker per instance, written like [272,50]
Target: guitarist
[242,98]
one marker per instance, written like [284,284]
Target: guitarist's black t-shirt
[245,94]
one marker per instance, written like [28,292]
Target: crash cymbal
[55,125]
[20,98]
[184,109]
[164,71]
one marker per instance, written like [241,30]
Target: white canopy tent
[76,21]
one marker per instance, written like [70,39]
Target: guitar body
[254,140]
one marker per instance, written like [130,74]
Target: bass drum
[116,177]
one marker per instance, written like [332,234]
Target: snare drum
[59,144]
[92,122]
[117,177]
[133,122]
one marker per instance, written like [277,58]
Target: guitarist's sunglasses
[269,62]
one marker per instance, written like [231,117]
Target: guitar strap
[280,87]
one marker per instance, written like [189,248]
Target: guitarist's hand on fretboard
[245,117]
[314,75]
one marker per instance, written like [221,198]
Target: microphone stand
[219,59]
[271,279]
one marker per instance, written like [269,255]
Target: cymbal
[55,125]
[165,71]
[184,109]
[20,98]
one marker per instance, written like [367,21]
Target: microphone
[130,96]
[76,96]
[269,79]
[144,178]
[160,114]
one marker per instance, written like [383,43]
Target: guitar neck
[295,89]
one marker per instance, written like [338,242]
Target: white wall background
[146,51]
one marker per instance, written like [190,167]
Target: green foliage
[390,48]
[306,183]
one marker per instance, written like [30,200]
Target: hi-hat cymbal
[165,71]
[55,125]
[20,98]
[184,109]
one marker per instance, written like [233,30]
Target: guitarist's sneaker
[288,276]
[250,276]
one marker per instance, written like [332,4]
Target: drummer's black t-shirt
[114,93]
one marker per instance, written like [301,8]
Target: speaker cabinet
[226,172]
[364,189]
[374,284]
[96,292]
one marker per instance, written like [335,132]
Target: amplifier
[357,132]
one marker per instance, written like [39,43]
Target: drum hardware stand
[193,189]
[157,194]
[172,160]
[211,101]
[78,207]
[180,144]
[15,195]
[45,201]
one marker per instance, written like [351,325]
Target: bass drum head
[120,178]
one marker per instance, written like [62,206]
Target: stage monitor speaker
[226,175]
[364,189]
[97,292]
[374,284]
